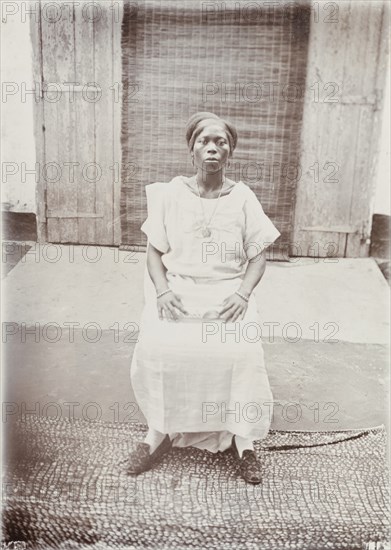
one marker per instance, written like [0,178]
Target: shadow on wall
[380,243]
[18,226]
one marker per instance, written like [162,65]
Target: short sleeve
[259,230]
[154,226]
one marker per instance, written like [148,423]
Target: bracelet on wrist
[245,292]
[241,295]
[163,293]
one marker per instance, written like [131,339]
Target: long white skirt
[201,381]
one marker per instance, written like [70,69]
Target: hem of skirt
[178,430]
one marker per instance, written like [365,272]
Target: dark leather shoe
[249,465]
[140,460]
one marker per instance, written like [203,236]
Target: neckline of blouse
[205,198]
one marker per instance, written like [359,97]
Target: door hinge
[331,228]
[62,214]
[66,87]
[374,99]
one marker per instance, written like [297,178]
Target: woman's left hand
[234,308]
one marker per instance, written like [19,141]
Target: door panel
[79,126]
[340,132]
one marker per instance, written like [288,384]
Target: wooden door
[341,129]
[77,65]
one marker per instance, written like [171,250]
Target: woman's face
[211,148]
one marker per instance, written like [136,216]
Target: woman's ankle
[242,444]
[154,438]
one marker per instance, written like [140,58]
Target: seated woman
[197,371]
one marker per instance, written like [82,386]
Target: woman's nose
[212,148]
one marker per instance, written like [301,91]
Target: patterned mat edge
[140,426]
[284,440]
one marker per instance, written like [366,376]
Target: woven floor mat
[65,487]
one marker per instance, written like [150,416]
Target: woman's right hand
[170,304]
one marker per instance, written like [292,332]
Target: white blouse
[240,229]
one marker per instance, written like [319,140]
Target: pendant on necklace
[206,232]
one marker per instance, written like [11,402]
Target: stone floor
[70,323]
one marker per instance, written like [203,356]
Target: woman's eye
[220,142]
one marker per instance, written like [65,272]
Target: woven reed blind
[246,66]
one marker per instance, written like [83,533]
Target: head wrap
[199,121]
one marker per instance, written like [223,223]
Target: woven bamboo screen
[248,66]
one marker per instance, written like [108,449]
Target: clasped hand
[234,307]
